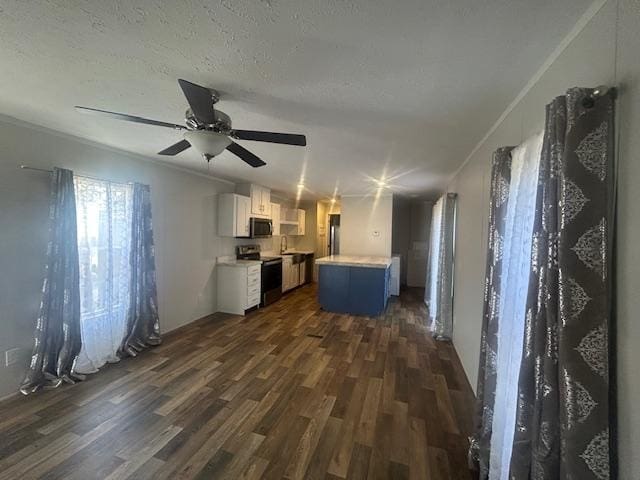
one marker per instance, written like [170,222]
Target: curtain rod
[27,167]
[599,91]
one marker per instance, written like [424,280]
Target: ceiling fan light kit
[206,129]
[207,142]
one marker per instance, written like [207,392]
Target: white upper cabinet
[243,215]
[234,212]
[260,199]
[275,218]
[265,202]
[301,221]
[292,221]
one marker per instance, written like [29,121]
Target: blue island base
[353,290]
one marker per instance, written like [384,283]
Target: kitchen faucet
[283,249]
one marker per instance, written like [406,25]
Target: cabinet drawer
[253,300]
[253,290]
[253,270]
[253,279]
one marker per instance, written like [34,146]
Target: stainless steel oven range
[271,272]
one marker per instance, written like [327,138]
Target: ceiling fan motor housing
[222,122]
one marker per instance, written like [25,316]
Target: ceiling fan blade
[245,155]
[200,100]
[176,148]
[284,138]
[128,118]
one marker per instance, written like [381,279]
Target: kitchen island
[352,284]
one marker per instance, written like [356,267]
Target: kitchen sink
[296,257]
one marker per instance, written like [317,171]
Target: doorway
[334,234]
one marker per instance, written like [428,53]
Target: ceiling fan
[208,130]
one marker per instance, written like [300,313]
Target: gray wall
[588,58]
[184,217]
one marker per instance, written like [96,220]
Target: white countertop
[355,261]
[232,262]
[287,252]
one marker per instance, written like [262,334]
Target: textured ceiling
[401,89]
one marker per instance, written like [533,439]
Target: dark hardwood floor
[289,391]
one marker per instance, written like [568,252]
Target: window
[516,266]
[104,244]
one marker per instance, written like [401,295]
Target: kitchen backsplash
[270,244]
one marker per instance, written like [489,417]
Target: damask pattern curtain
[143,327]
[57,339]
[564,407]
[440,272]
[486,388]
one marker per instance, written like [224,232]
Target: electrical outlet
[11,357]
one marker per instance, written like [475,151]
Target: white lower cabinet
[302,273]
[238,287]
[290,274]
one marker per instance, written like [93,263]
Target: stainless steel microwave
[260,227]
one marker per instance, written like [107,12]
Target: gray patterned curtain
[143,327]
[57,339]
[486,389]
[563,417]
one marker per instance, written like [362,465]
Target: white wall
[184,218]
[365,225]
[588,58]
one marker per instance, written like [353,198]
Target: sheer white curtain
[439,291]
[516,265]
[431,292]
[104,245]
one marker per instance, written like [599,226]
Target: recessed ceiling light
[300,186]
[381,183]
[333,200]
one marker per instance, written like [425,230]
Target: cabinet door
[275,218]
[242,216]
[295,275]
[265,195]
[256,199]
[286,274]
[301,221]
[303,273]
